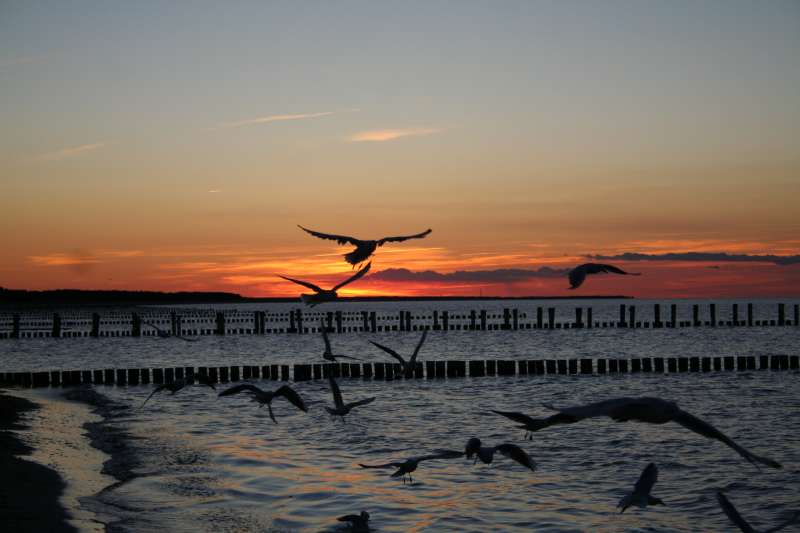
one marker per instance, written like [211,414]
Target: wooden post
[712,314]
[506,318]
[632,313]
[136,325]
[477,368]
[586,366]
[338,317]
[483,319]
[436,320]
[579,317]
[373,323]
[56,326]
[750,314]
[551,317]
[97,377]
[292,323]
[256,322]
[15,327]
[173,322]
[401,322]
[781,314]
[621,322]
[299,320]
[95,325]
[695,315]
[472,320]
[705,364]
[658,365]
[601,366]
[539,320]
[796,315]
[446,320]
[220,329]
[735,314]
[589,323]
[515,319]
[636,365]
[657,316]
[647,364]
[408,321]
[673,314]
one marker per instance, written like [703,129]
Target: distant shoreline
[70,297]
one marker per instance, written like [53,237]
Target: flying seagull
[359,523]
[322,295]
[164,334]
[364,249]
[408,366]
[328,354]
[742,524]
[486,453]
[265,397]
[640,497]
[404,468]
[578,274]
[645,409]
[178,384]
[341,408]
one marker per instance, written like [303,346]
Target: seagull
[322,295]
[364,249]
[164,334]
[178,384]
[741,523]
[265,397]
[341,408]
[645,409]
[404,468]
[640,497]
[328,354]
[578,274]
[486,453]
[358,522]
[408,366]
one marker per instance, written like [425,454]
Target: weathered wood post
[578,317]
[796,315]
[373,322]
[632,313]
[515,319]
[220,329]
[136,325]
[657,316]
[56,326]
[712,314]
[401,323]
[539,320]
[506,318]
[292,323]
[408,321]
[735,314]
[365,320]
[589,322]
[750,314]
[436,325]
[446,320]
[338,321]
[15,327]
[621,322]
[551,317]
[299,320]
[95,325]
[695,315]
[255,322]
[472,320]
[173,323]
[483,319]
[673,315]
[781,314]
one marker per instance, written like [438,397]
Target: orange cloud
[71,152]
[390,134]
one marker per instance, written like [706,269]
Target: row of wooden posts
[388,371]
[440,321]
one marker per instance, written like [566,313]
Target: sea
[196,462]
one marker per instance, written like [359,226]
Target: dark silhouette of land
[75,297]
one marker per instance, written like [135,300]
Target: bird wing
[413,359]
[290,394]
[390,352]
[705,429]
[354,277]
[157,389]
[789,522]
[603,408]
[733,514]
[385,465]
[303,283]
[512,451]
[613,270]
[349,518]
[359,403]
[325,338]
[441,454]
[646,481]
[244,387]
[337,394]
[517,417]
[402,238]
[340,239]
[576,276]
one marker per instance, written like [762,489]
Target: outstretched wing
[646,481]
[244,387]
[402,238]
[705,429]
[157,389]
[337,394]
[516,417]
[390,352]
[303,283]
[385,465]
[733,514]
[290,394]
[354,277]
[340,239]
[512,451]
[324,330]
[442,454]
[359,403]
[413,359]
[576,276]
[614,270]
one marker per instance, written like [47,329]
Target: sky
[177,146]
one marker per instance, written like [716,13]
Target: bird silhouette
[578,274]
[406,467]
[178,384]
[359,523]
[364,248]
[408,366]
[340,408]
[645,409]
[321,295]
[742,524]
[265,397]
[486,453]
[640,497]
[328,353]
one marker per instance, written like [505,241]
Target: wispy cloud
[281,118]
[214,191]
[390,134]
[71,151]
[702,256]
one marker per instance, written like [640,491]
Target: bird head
[364,515]
[473,445]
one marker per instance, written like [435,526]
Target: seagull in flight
[322,295]
[408,366]
[486,453]
[359,523]
[265,397]
[340,408]
[164,334]
[328,354]
[364,248]
[742,524]
[578,274]
[645,409]
[640,497]
[178,384]
[405,468]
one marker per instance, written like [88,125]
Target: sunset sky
[167,146]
